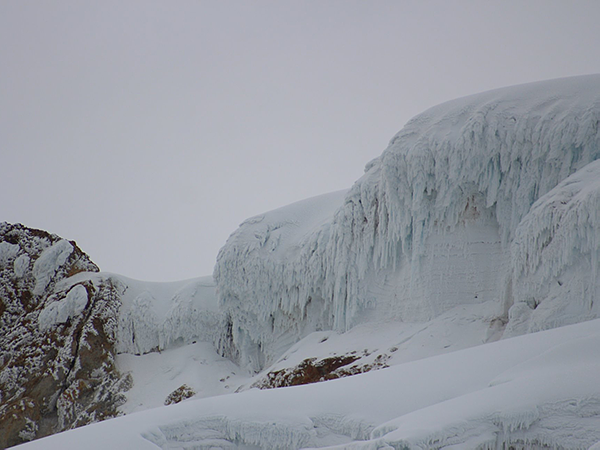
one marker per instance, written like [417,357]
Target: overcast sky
[148,130]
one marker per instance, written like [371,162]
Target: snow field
[540,388]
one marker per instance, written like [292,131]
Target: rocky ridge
[57,339]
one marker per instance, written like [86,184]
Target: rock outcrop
[57,338]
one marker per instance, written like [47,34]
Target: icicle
[482,160]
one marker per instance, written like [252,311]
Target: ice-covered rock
[60,311]
[57,340]
[428,227]
[48,263]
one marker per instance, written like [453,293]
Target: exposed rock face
[316,370]
[57,338]
[180,394]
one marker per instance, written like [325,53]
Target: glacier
[479,224]
[446,216]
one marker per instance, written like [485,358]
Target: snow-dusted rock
[57,343]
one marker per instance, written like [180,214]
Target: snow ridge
[480,161]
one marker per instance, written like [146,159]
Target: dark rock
[180,394]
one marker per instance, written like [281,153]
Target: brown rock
[61,375]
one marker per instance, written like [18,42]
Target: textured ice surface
[21,265]
[47,264]
[60,311]
[156,316]
[428,227]
[8,251]
[555,256]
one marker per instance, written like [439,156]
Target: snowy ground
[437,386]
[377,345]
[156,375]
[541,388]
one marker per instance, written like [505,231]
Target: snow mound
[157,316]
[428,227]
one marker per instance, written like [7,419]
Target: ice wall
[471,166]
[555,257]
[153,316]
[157,316]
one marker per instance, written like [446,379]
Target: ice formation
[8,251]
[48,263]
[555,256]
[60,311]
[429,226]
[157,316]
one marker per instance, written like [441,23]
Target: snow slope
[529,391]
[429,226]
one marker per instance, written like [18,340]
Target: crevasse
[429,226]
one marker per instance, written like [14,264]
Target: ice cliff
[470,202]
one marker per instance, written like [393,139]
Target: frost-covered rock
[57,339]
[180,394]
[428,227]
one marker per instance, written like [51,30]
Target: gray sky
[148,130]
